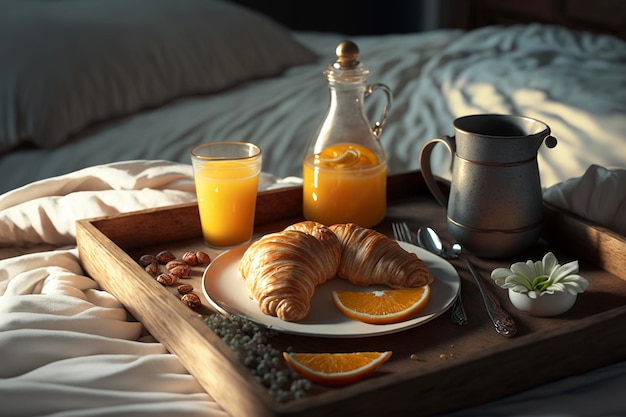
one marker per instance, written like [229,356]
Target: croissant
[318,230]
[282,270]
[369,257]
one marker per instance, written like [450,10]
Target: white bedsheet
[576,83]
[68,349]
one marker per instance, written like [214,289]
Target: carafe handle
[378,126]
[425,166]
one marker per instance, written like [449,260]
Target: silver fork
[402,232]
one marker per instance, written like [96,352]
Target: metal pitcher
[495,206]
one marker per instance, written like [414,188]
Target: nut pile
[250,342]
[175,270]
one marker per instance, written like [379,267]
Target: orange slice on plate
[336,369]
[382,306]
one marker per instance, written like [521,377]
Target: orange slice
[336,369]
[346,155]
[382,306]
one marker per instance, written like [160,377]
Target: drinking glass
[226,175]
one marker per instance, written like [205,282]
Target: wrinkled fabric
[575,82]
[599,195]
[66,346]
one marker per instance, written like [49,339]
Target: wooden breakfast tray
[436,367]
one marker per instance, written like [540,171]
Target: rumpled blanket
[599,196]
[67,348]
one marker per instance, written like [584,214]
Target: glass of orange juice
[226,175]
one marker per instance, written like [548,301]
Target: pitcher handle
[378,126]
[425,167]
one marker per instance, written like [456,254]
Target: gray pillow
[67,64]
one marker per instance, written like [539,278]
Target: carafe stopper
[347,55]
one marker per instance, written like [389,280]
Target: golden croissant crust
[318,230]
[369,257]
[282,270]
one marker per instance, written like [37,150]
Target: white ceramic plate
[226,290]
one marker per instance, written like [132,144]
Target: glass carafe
[345,167]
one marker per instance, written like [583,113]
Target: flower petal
[524,270]
[556,288]
[540,269]
[576,282]
[521,290]
[563,271]
[500,274]
[514,280]
[549,262]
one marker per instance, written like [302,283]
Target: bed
[101,101]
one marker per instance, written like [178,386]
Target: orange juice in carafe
[345,183]
[345,168]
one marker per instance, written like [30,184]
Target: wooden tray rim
[90,229]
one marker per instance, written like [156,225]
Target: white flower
[541,277]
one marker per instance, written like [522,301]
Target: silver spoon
[432,243]
[502,321]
